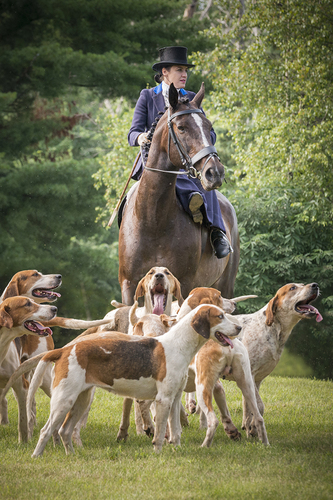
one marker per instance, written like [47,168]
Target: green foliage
[115,166]
[272,75]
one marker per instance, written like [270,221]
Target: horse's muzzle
[213,175]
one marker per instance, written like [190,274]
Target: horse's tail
[37,379]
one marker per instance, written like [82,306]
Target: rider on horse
[202,205]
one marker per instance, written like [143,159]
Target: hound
[217,360]
[131,366]
[20,316]
[40,288]
[205,295]
[157,288]
[265,333]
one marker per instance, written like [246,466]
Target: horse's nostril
[213,174]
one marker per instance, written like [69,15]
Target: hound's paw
[122,435]
[149,431]
[233,434]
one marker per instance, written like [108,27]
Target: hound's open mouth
[225,341]
[34,326]
[159,298]
[44,293]
[307,310]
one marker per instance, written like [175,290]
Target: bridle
[187,162]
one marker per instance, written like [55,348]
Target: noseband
[187,162]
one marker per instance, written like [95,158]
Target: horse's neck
[156,193]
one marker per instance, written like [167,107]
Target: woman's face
[176,75]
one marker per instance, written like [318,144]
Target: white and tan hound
[131,366]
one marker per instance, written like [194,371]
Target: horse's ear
[197,100]
[173,96]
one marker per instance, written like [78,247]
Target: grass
[297,465]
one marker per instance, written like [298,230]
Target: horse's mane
[146,145]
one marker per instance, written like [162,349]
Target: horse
[155,229]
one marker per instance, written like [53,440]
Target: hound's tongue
[36,327]
[158,303]
[309,308]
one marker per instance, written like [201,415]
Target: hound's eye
[35,274]
[221,316]
[292,287]
[166,272]
[28,303]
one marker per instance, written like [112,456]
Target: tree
[272,74]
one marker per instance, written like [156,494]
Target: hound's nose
[159,276]
[54,310]
[315,286]
[58,276]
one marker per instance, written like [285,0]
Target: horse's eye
[181,129]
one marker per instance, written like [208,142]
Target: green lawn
[297,465]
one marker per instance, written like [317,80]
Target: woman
[200,204]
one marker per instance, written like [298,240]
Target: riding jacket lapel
[158,98]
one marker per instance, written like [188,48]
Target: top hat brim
[158,66]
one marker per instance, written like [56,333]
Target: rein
[187,162]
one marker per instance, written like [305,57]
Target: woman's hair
[159,76]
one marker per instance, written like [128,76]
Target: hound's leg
[163,406]
[191,404]
[144,407]
[82,421]
[243,376]
[220,399]
[81,405]
[125,420]
[174,419]
[20,393]
[4,411]
[60,406]
[205,400]
[139,425]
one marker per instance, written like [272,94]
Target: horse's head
[191,142]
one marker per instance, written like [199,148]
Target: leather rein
[187,162]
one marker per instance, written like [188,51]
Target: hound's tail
[75,324]
[37,379]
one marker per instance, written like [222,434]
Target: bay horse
[155,229]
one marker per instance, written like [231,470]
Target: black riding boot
[220,243]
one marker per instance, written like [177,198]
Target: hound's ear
[197,100]
[176,292]
[200,322]
[5,319]
[271,310]
[12,290]
[140,289]
[173,96]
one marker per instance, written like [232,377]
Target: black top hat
[171,56]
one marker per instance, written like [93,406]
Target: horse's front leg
[127,291]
